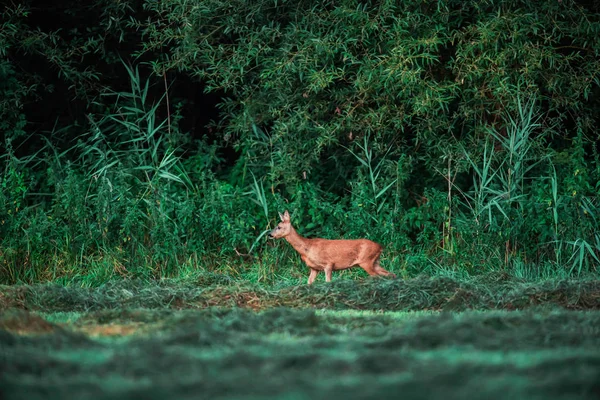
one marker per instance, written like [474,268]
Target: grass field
[423,338]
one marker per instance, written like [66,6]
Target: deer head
[284,228]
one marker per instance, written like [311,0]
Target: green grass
[302,354]
[489,337]
[423,293]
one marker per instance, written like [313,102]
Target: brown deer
[329,255]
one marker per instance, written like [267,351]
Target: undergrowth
[460,154]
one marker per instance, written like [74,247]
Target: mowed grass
[495,291]
[167,341]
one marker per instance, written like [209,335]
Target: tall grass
[122,204]
[127,202]
[378,189]
[509,185]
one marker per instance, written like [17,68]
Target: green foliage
[460,135]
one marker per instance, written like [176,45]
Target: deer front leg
[328,270]
[312,276]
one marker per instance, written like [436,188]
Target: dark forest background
[160,138]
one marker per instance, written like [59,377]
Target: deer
[331,255]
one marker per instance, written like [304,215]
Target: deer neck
[299,243]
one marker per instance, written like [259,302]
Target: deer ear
[280,216]
[286,216]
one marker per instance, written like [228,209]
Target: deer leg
[328,270]
[312,276]
[380,271]
[369,267]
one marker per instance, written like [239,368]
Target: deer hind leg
[380,271]
[369,266]
[312,276]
